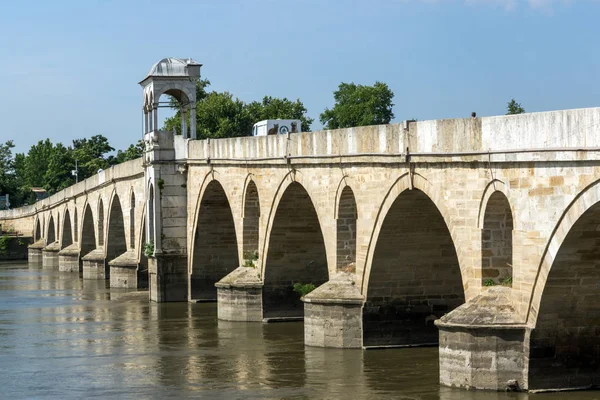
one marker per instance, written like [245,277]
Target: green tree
[514,108]
[36,163]
[58,175]
[7,168]
[131,153]
[359,105]
[174,123]
[275,108]
[90,155]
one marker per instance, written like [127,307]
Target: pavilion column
[183,122]
[146,121]
[193,133]
[155,117]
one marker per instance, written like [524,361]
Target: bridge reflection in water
[67,337]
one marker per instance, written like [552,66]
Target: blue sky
[71,68]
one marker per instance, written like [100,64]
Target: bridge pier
[50,255]
[124,271]
[168,278]
[484,344]
[333,314]
[239,296]
[68,259]
[35,252]
[94,265]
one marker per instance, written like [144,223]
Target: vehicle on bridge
[276,126]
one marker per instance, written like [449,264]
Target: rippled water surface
[63,337]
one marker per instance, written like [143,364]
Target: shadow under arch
[116,243]
[214,251]
[497,240]
[67,233]
[414,275]
[296,253]
[51,235]
[251,219]
[346,217]
[88,234]
[37,230]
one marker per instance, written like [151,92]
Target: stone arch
[296,253]
[251,219]
[116,243]
[67,235]
[215,252]
[414,275]
[100,222]
[58,221]
[142,274]
[565,345]
[496,241]
[346,217]
[88,233]
[132,219]
[37,230]
[151,224]
[51,235]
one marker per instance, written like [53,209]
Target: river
[63,337]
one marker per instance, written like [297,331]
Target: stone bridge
[480,235]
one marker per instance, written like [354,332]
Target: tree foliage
[221,115]
[359,105]
[514,108]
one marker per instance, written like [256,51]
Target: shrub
[489,282]
[303,289]
[149,249]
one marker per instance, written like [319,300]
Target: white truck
[276,126]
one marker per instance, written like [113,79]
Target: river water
[63,337]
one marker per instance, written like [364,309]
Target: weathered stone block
[68,259]
[239,296]
[168,278]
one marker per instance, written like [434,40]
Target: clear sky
[70,68]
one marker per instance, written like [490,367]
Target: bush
[149,249]
[303,289]
[489,282]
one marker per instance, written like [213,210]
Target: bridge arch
[497,224]
[51,231]
[88,233]
[75,226]
[346,222]
[295,250]
[413,274]
[564,346]
[251,220]
[67,232]
[116,243]
[214,251]
[37,230]
[100,221]
[132,219]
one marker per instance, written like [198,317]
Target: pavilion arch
[214,251]
[414,275]
[496,221]
[100,222]
[565,345]
[295,253]
[51,233]
[67,231]
[116,243]
[346,215]
[87,236]
[251,220]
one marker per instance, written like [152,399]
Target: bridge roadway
[479,234]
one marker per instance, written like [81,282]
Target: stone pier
[124,271]
[50,255]
[168,280]
[333,314]
[94,265]
[239,296]
[68,259]
[35,254]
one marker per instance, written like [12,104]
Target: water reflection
[64,337]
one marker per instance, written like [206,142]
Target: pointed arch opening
[150,235]
[346,231]
[67,236]
[88,235]
[51,231]
[215,251]
[38,230]
[565,344]
[75,226]
[115,238]
[296,254]
[251,221]
[496,242]
[100,222]
[58,226]
[132,220]
[415,276]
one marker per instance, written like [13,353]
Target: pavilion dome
[171,67]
